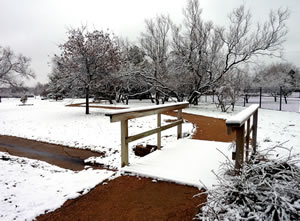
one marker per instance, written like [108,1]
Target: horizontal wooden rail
[240,118]
[125,115]
[144,111]
[237,123]
[153,131]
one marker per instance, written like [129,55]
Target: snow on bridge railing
[125,115]
[237,123]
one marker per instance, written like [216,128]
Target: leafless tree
[230,88]
[130,81]
[205,52]
[87,58]
[155,43]
[13,68]
[276,75]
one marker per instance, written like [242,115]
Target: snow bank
[29,188]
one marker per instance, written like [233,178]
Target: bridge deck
[184,161]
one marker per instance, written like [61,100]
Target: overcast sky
[35,27]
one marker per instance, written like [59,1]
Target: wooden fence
[238,123]
[125,115]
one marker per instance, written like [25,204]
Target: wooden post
[254,132]
[124,143]
[247,139]
[240,135]
[179,127]
[260,94]
[158,133]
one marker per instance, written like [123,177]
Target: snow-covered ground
[55,123]
[267,102]
[29,188]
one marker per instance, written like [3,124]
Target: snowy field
[55,123]
[267,102]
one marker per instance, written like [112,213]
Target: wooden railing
[125,115]
[237,124]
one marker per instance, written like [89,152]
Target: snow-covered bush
[266,189]
[24,99]
[225,95]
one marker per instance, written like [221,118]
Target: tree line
[170,61]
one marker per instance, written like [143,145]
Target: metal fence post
[280,102]
[260,94]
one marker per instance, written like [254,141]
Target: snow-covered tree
[230,88]
[87,58]
[130,79]
[276,75]
[204,53]
[155,44]
[13,68]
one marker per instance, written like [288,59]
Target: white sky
[35,27]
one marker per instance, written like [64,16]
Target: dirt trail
[208,128]
[131,198]
[65,157]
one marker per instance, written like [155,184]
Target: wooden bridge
[184,160]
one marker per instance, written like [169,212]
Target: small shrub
[266,189]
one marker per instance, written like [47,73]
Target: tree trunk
[87,94]
[151,97]
[285,99]
[157,98]
[192,98]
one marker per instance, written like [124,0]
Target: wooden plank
[239,157]
[153,131]
[179,127]
[247,139]
[124,143]
[254,133]
[159,132]
[142,112]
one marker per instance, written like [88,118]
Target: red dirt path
[131,198]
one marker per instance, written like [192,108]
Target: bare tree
[130,81]
[155,43]
[273,76]
[87,58]
[205,52]
[229,89]
[13,68]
